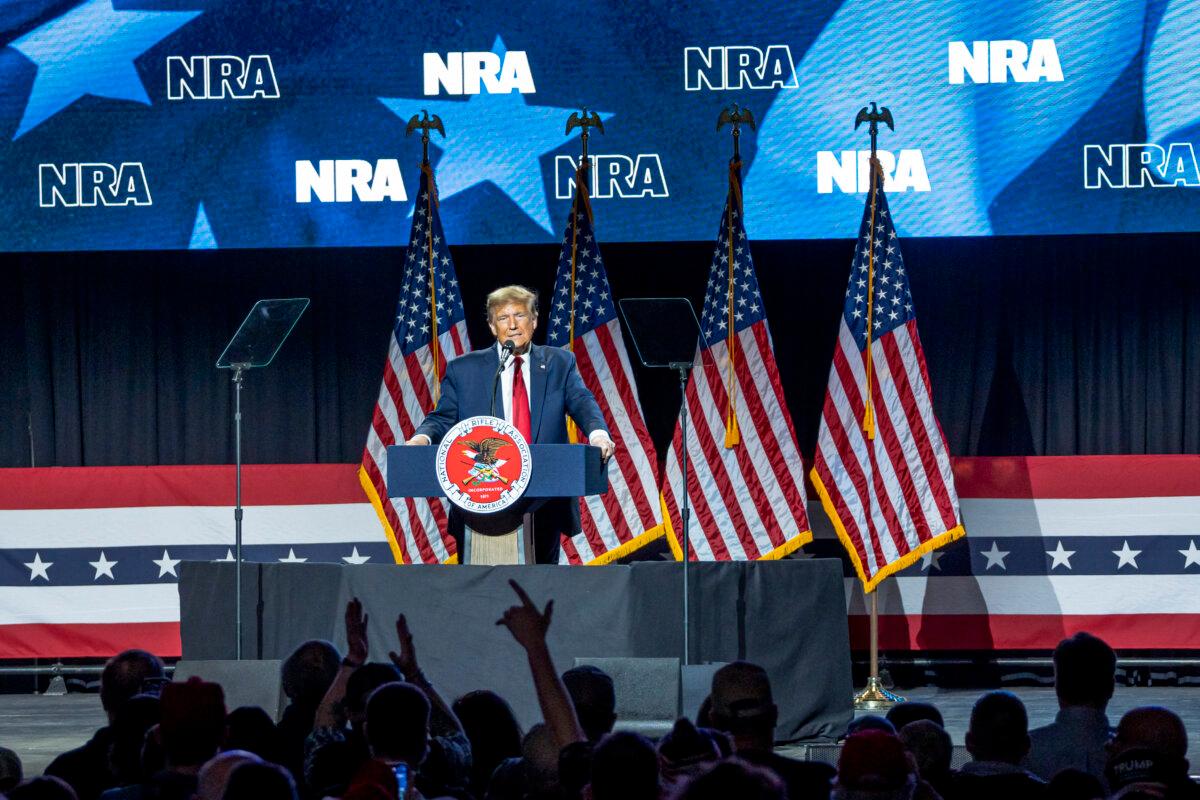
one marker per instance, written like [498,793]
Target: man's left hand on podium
[607,446]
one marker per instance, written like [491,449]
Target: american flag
[745,476]
[889,492]
[430,328]
[583,319]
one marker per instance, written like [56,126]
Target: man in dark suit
[538,388]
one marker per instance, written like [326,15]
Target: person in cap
[873,765]
[744,708]
[1148,756]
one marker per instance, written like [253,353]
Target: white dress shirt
[506,381]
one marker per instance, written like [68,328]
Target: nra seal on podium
[483,464]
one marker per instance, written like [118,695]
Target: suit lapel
[537,387]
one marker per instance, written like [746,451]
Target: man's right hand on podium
[420,438]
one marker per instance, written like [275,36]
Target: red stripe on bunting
[1024,631]
[199,485]
[89,640]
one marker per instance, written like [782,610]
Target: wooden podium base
[514,547]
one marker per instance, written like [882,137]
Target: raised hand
[406,659]
[357,645]
[527,625]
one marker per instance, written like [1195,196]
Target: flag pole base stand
[875,697]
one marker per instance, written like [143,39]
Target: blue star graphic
[90,50]
[497,138]
[202,232]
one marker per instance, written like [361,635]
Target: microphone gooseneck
[506,350]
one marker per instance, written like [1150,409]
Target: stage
[788,616]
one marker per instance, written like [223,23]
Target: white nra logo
[851,172]
[92,184]
[738,67]
[472,73]
[1134,166]
[613,175]
[993,62]
[346,180]
[220,77]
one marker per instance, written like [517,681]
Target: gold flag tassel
[733,437]
[434,343]
[869,403]
[582,201]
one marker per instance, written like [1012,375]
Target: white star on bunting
[38,568]
[166,565]
[355,558]
[103,567]
[995,556]
[1126,556]
[1061,557]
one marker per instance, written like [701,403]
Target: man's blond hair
[512,294]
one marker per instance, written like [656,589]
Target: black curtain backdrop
[1035,345]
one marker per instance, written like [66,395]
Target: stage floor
[39,728]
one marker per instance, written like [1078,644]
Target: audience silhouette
[380,730]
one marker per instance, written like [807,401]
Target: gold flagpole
[435,346]
[735,117]
[874,697]
[581,120]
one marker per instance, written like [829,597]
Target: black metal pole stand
[237,510]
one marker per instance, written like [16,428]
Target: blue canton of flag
[427,262]
[583,319]
[430,329]
[747,300]
[593,298]
[745,484]
[890,295]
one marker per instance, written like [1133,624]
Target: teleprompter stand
[665,333]
[254,346]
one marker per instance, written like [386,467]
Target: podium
[559,470]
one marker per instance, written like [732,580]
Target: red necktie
[520,401]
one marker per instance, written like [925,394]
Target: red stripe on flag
[849,464]
[389,511]
[625,464]
[883,502]
[906,482]
[623,382]
[766,354]
[748,471]
[416,379]
[789,483]
[699,508]
[715,465]
[899,371]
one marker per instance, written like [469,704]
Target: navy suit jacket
[555,390]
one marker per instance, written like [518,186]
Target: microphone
[506,350]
